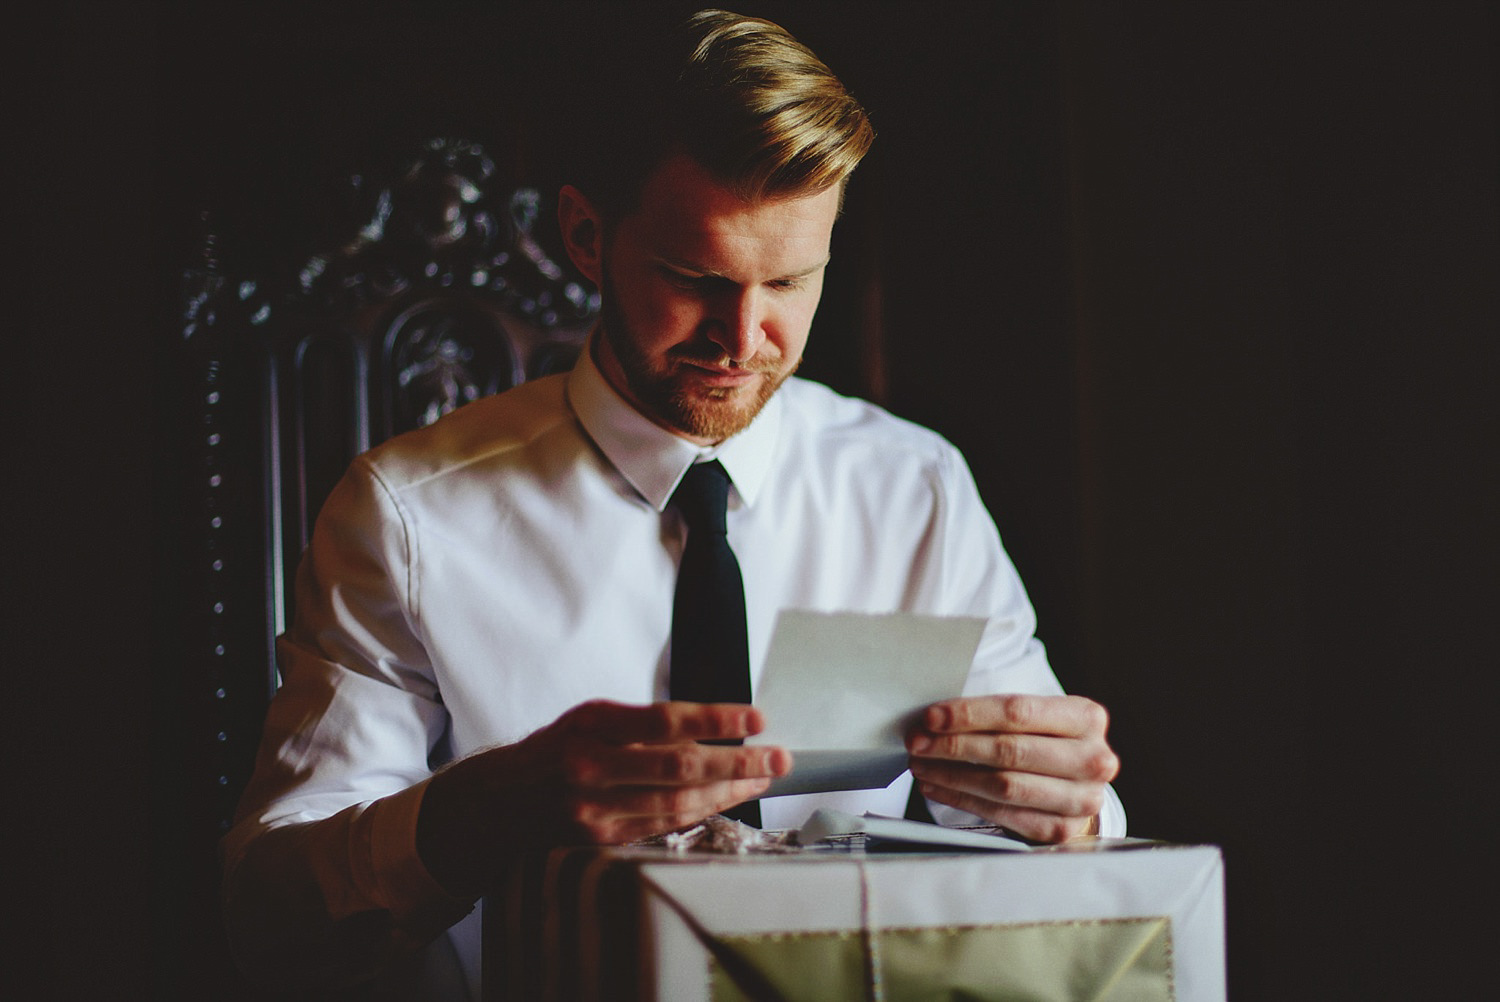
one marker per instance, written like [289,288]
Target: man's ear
[582,232]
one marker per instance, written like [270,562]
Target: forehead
[684,213]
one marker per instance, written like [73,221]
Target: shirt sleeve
[975,576]
[322,881]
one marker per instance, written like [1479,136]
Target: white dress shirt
[469,582]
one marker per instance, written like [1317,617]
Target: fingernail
[920,743]
[781,764]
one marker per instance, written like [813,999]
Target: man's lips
[713,374]
[723,377]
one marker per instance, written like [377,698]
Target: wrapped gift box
[1118,921]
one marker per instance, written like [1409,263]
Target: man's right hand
[603,773]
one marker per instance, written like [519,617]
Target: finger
[1063,716]
[687,803]
[1048,794]
[623,723]
[711,721]
[1067,758]
[628,813]
[1029,823]
[685,763]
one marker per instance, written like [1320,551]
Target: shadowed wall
[1208,297]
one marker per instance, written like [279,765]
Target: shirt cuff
[395,876]
[1112,817]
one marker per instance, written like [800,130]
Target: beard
[667,391]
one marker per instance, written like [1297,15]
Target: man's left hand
[1037,765]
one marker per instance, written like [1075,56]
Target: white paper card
[825,823]
[840,689]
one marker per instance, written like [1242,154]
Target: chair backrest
[437,292]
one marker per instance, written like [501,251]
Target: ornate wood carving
[436,291]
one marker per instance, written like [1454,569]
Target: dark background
[1207,294]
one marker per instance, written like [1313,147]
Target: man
[493,596]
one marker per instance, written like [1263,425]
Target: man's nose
[739,326]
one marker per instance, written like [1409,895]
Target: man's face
[708,299]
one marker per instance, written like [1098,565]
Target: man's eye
[786,284]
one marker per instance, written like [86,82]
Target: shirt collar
[654,459]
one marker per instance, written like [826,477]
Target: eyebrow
[687,266]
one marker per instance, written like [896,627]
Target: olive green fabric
[1117,960]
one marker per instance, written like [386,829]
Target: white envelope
[839,690]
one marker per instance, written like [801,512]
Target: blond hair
[742,97]
[764,114]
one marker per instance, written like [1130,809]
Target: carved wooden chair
[442,283]
[438,291]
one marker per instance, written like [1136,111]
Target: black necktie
[710,653]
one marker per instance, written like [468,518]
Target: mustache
[714,356]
